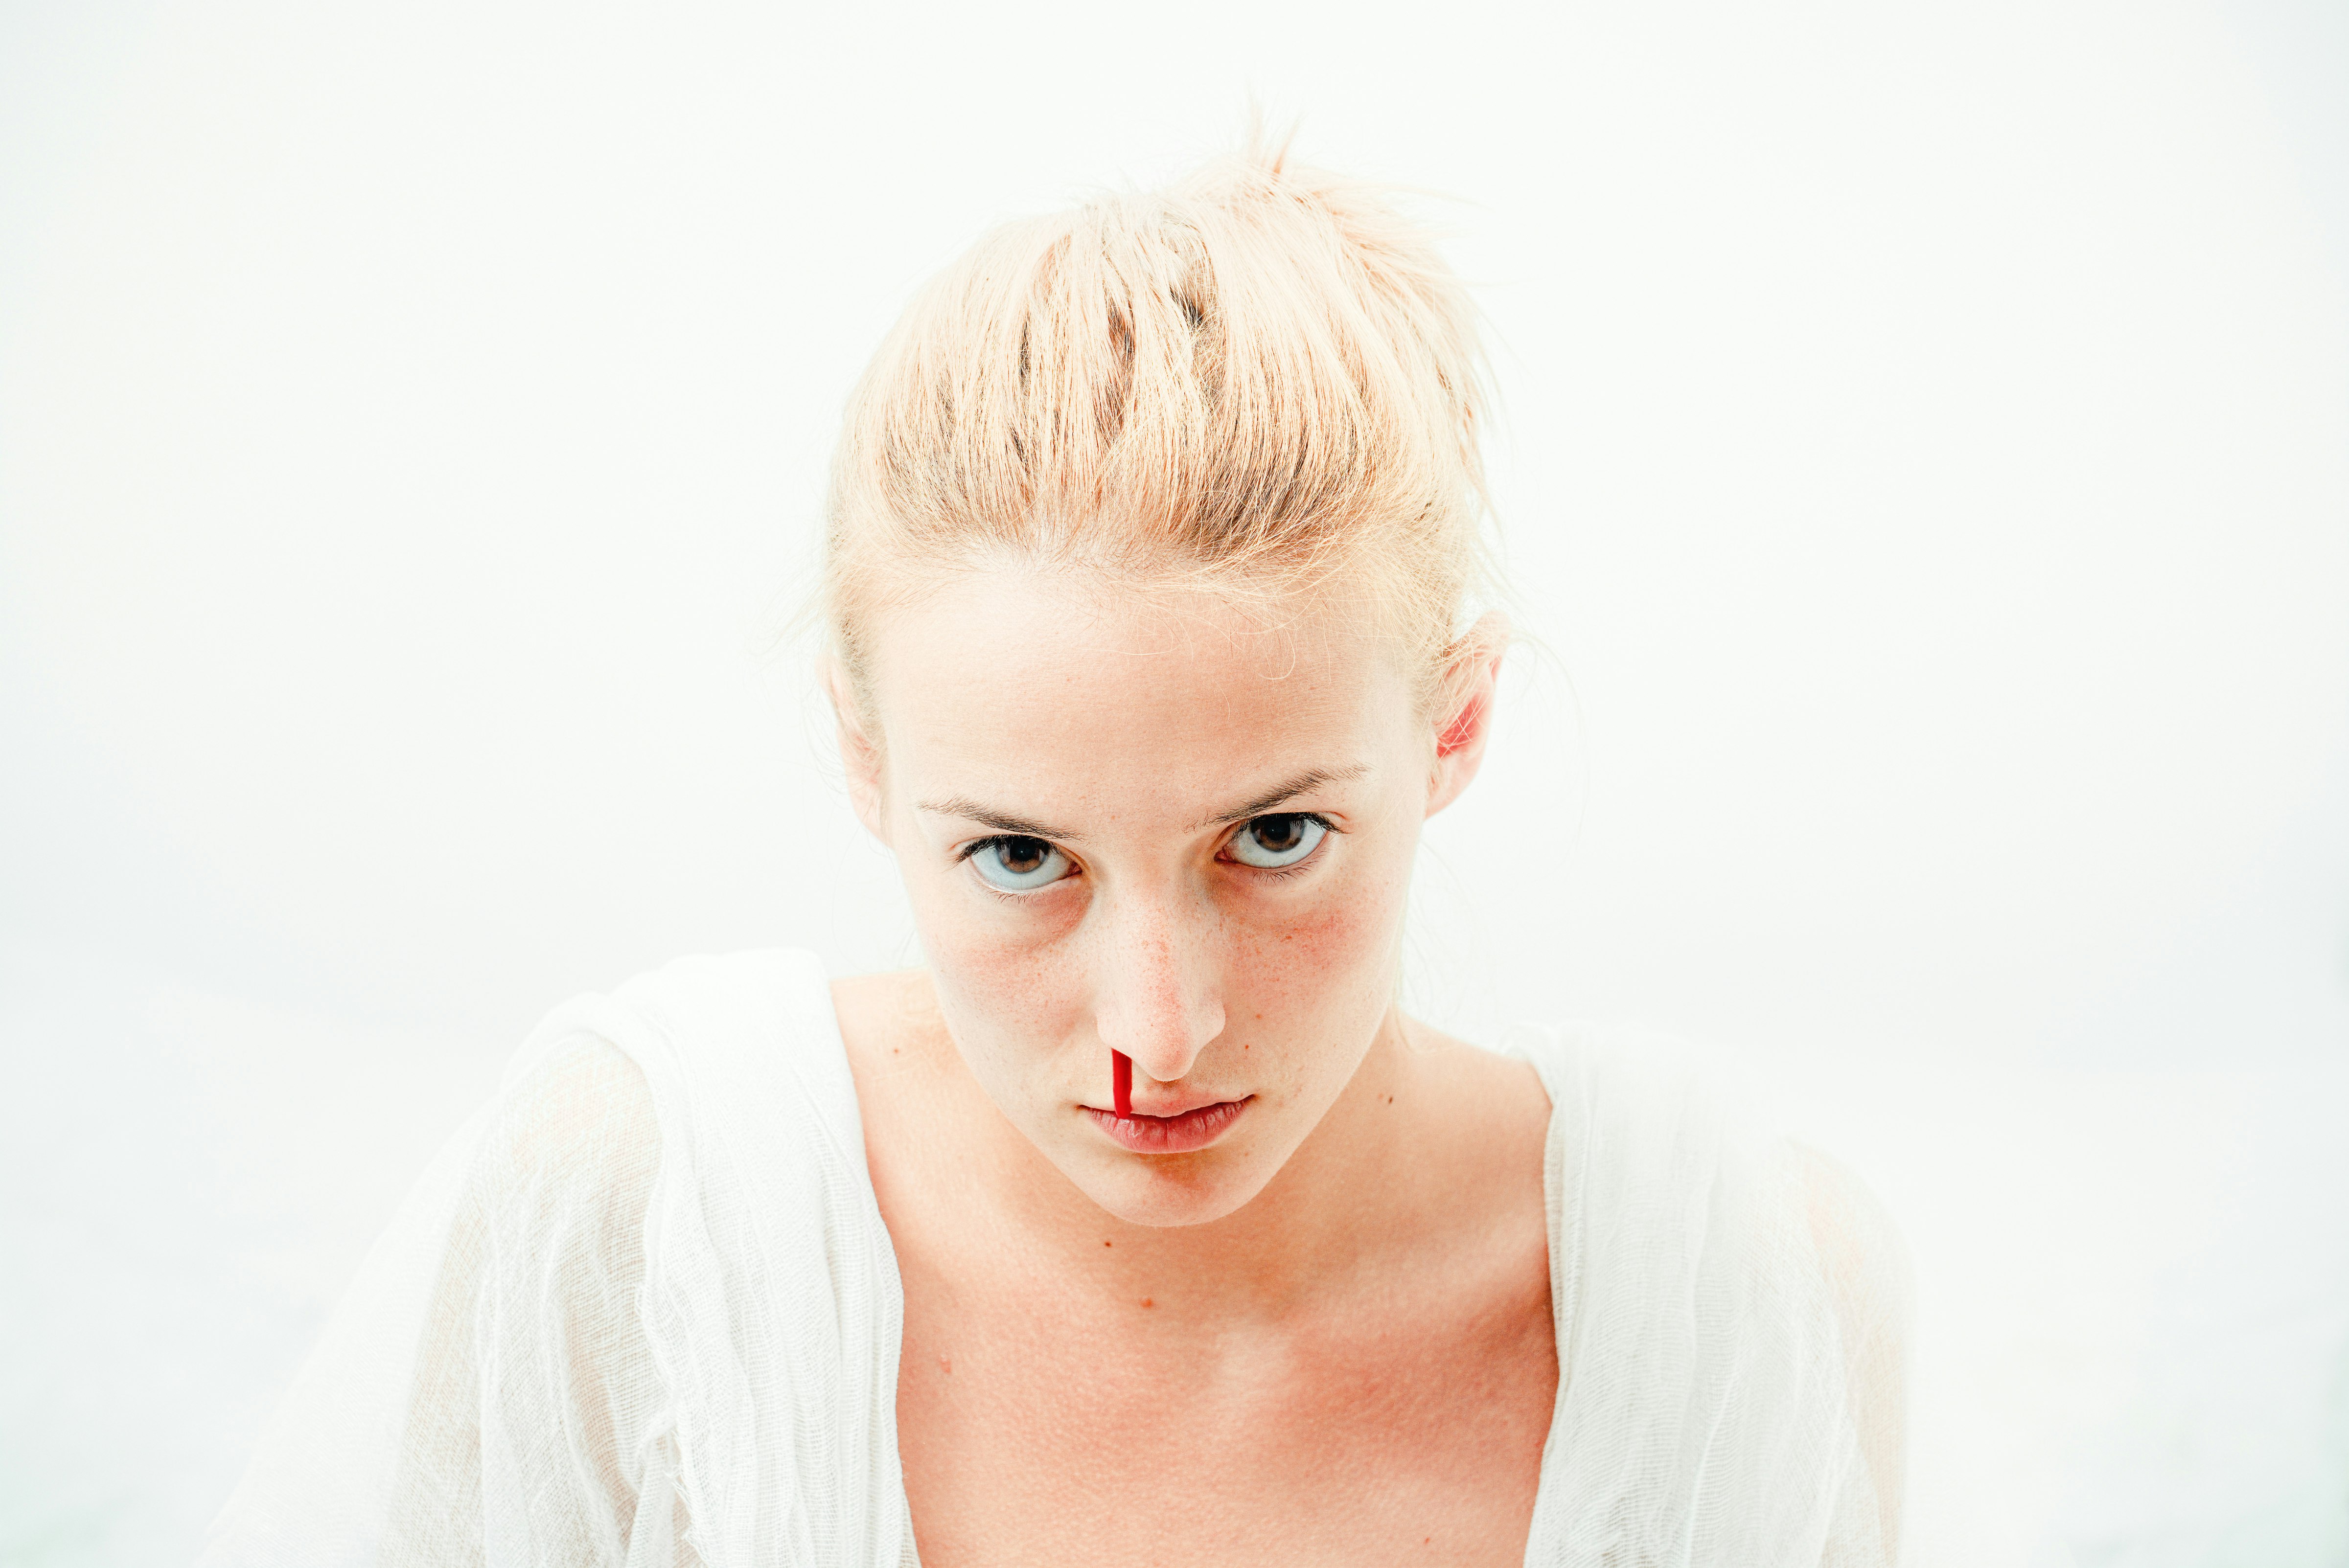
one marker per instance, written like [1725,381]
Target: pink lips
[1177,1134]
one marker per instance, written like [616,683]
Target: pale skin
[1324,1338]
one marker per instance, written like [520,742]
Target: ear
[1464,718]
[860,755]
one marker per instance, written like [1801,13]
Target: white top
[643,1312]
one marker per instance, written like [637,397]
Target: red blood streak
[1120,1080]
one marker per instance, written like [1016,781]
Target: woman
[1139,1225]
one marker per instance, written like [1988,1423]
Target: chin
[1168,1191]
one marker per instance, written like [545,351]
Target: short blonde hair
[1260,379]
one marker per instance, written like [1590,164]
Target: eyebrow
[1311,779]
[1029,828]
[1001,822]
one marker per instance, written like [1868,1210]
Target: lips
[1180,1133]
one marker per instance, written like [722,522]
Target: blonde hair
[1261,379]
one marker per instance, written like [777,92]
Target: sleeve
[487,1391]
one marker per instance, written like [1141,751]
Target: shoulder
[1861,1250]
[580,1111]
[1497,1095]
[1642,1113]
[768,1002]
[888,1017]
[1870,1293]
[1714,1263]
[720,1068]
[692,1037]
[1477,1139]
[1640,1123]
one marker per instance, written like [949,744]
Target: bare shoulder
[897,1048]
[888,1015]
[1483,1130]
[1501,1097]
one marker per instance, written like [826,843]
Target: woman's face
[1145,823]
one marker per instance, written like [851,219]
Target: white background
[1927,477]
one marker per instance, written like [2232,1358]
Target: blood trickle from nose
[1120,1082]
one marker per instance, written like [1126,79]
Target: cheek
[1003,983]
[1001,972]
[1330,956]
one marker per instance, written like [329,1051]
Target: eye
[1018,864]
[1282,840]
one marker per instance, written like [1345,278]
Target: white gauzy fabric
[1732,1314]
[643,1313]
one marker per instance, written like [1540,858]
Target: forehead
[1070,691]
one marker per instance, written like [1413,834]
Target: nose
[1156,997]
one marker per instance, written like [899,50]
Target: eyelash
[1005,894]
[1281,873]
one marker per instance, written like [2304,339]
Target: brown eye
[1277,835]
[1016,863]
[1281,840]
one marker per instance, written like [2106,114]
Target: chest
[1038,1432]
